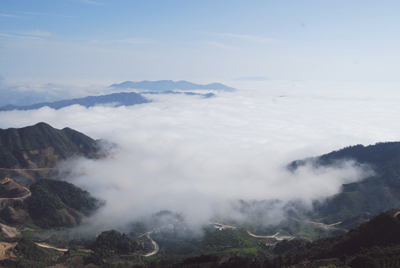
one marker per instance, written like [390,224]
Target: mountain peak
[42,146]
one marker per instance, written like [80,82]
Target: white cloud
[196,156]
[90,2]
[222,45]
[249,38]
[32,92]
[252,38]
[28,35]
[46,14]
[123,41]
[20,36]
[9,16]
[36,33]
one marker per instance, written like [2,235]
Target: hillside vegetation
[51,204]
[373,195]
[29,154]
[373,244]
[163,239]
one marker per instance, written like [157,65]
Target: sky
[311,77]
[81,43]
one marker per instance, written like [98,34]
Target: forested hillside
[42,146]
[50,204]
[375,194]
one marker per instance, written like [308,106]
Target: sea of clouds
[198,156]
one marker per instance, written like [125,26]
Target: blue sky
[199,41]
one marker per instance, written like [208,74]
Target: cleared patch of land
[9,231]
[5,252]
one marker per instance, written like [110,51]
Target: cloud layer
[197,156]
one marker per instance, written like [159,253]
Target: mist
[199,156]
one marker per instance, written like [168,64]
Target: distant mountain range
[118,99]
[166,85]
[126,98]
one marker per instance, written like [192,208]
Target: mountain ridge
[166,85]
[127,98]
[30,153]
[42,146]
[118,99]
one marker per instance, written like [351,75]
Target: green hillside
[42,146]
[373,244]
[374,195]
[51,204]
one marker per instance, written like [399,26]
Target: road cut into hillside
[320,224]
[263,236]
[43,245]
[15,186]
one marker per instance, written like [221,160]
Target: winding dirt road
[156,247]
[263,236]
[319,224]
[16,198]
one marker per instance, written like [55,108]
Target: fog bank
[197,156]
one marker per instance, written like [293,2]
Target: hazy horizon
[71,47]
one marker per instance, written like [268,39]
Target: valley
[41,216]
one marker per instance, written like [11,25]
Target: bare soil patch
[9,231]
[5,250]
